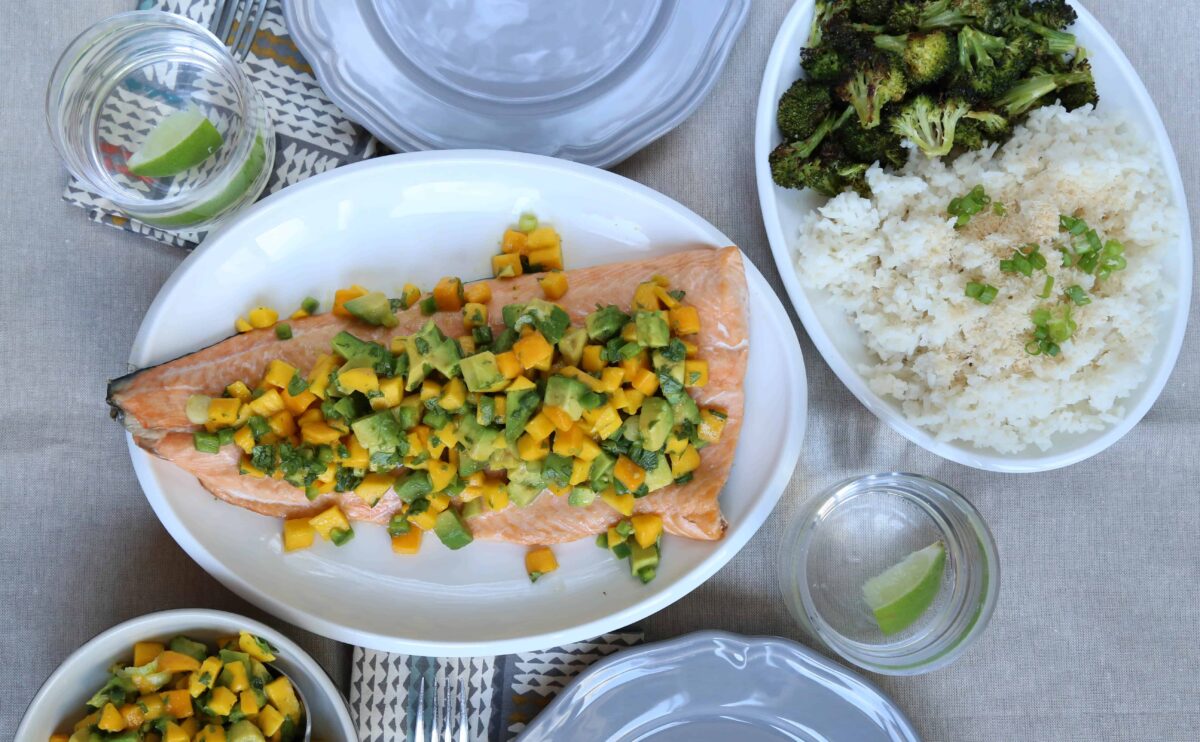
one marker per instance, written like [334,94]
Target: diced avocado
[86,734]
[450,528]
[659,476]
[193,649]
[353,349]
[652,329]
[655,423]
[418,367]
[522,494]
[686,410]
[408,414]
[663,364]
[372,308]
[549,319]
[504,341]
[468,466]
[571,345]
[381,431]
[641,559]
[116,691]
[244,731]
[556,469]
[481,373]
[503,458]
[629,430]
[605,323]
[445,357]
[472,508]
[581,496]
[525,482]
[601,472]
[566,393]
[519,408]
[436,417]
[413,485]
[479,440]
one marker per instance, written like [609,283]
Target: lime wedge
[904,591]
[180,141]
[241,182]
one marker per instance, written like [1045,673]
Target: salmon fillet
[151,403]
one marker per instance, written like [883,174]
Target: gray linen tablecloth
[1095,633]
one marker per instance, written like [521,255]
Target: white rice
[896,265]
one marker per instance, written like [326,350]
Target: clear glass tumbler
[120,80]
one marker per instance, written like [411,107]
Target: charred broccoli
[874,12]
[1030,92]
[872,145]
[927,56]
[802,108]
[976,129]
[989,64]
[875,82]
[930,124]
[1053,14]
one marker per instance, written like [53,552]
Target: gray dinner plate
[714,687]
[587,80]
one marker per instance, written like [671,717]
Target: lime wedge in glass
[180,141]
[237,187]
[904,591]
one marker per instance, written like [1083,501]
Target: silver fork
[249,15]
[450,715]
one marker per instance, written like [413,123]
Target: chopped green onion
[310,305]
[428,306]
[1078,295]
[1072,224]
[310,491]
[206,442]
[965,207]
[527,223]
[283,331]
[1046,288]
[981,292]
[999,210]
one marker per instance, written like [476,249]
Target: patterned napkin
[504,692]
[312,134]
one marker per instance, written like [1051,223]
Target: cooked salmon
[152,402]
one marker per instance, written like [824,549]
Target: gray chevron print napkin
[312,134]
[504,692]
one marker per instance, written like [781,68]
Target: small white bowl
[840,343]
[60,701]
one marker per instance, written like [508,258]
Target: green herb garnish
[965,207]
[981,292]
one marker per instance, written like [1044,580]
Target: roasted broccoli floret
[992,16]
[824,173]
[875,12]
[785,160]
[878,80]
[872,145]
[977,129]
[906,15]
[822,64]
[1082,93]
[1037,91]
[802,108]
[930,124]
[927,56]
[1053,14]
[823,13]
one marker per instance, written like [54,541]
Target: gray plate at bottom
[713,686]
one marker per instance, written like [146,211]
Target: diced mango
[695,373]
[441,474]
[283,697]
[676,445]
[686,462]
[409,295]
[300,314]
[279,374]
[261,317]
[543,237]
[170,661]
[559,417]
[629,333]
[628,473]
[607,422]
[623,504]
[248,702]
[133,715]
[554,285]
[175,733]
[88,721]
[591,360]
[589,450]
[569,442]
[298,534]
[514,242]
[318,377]
[712,422]
[548,259]
[177,703]
[111,719]
[533,350]
[221,701]
[146,652]
[374,486]
[152,705]
[392,390]
[282,424]
[408,543]
[610,379]
[539,562]
[613,536]
[359,380]
[454,395]
[204,678]
[507,265]
[329,519]
[645,297]
[238,390]
[341,296]
[59,738]
[238,680]
[210,733]
[684,320]
[645,382]
[430,389]
[474,315]
[425,521]
[448,294]
[318,433]
[299,403]
[580,470]
[479,292]
[665,298]
[646,529]
[269,720]
[268,403]
[530,449]
[242,325]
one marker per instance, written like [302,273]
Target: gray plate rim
[315,44]
[590,682]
